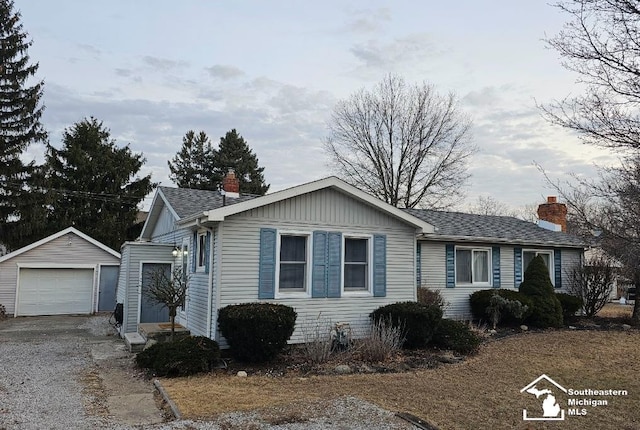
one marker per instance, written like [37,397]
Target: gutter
[500,240]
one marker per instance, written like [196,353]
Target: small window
[185,259]
[293,263]
[202,251]
[356,264]
[185,266]
[529,255]
[472,266]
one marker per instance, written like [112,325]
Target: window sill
[292,295]
[477,285]
[357,294]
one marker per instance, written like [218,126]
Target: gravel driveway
[66,372]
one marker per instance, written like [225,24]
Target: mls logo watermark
[551,409]
[550,396]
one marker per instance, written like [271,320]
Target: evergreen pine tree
[193,166]
[20,112]
[235,153]
[547,310]
[93,184]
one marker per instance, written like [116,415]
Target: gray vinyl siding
[164,225]
[215,278]
[57,252]
[434,273]
[130,274]
[198,300]
[570,258]
[121,292]
[326,210]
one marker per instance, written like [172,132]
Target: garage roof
[55,236]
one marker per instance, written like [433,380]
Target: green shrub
[256,332]
[547,311]
[3,313]
[480,301]
[456,336]
[427,296]
[418,321]
[499,306]
[185,356]
[570,305]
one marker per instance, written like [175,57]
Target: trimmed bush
[481,300]
[570,305]
[456,336]
[417,321]
[182,357]
[256,332]
[547,311]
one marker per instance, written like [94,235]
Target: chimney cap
[552,199]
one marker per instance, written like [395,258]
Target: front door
[150,311]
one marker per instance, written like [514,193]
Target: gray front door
[107,288]
[149,311]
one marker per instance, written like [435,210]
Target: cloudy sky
[152,70]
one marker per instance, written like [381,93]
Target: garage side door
[55,291]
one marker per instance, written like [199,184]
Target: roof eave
[500,240]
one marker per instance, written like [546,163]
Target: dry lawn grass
[480,393]
[615,310]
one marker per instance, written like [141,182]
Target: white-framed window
[293,274]
[356,265]
[473,266]
[201,249]
[547,255]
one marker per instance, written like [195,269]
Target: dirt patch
[94,390]
[481,392]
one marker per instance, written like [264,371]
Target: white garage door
[55,291]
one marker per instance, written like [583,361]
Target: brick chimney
[554,212]
[231,184]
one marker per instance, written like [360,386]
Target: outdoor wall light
[175,251]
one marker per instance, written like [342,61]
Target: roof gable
[491,228]
[184,203]
[219,214]
[55,236]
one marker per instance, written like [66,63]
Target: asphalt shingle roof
[187,201]
[502,228]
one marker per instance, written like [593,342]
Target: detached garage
[65,273]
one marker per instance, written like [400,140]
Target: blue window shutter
[557,267]
[451,265]
[334,261]
[207,251]
[195,251]
[267,270]
[517,267]
[320,266]
[379,265]
[495,265]
[418,264]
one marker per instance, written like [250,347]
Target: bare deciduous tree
[593,283]
[490,206]
[601,44]
[404,144]
[169,290]
[607,210]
